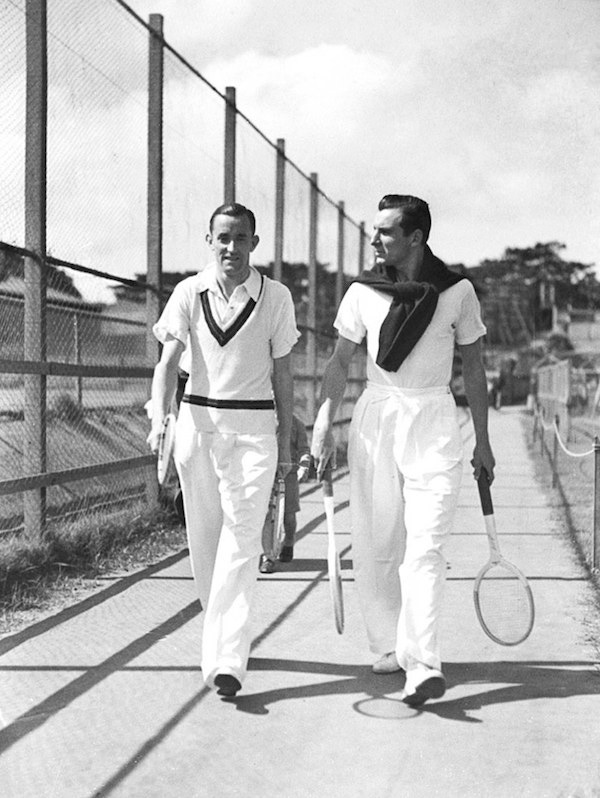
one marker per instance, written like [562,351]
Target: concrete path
[106,698]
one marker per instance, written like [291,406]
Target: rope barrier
[568,451]
[593,556]
[554,426]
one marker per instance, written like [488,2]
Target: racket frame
[334,568]
[166,442]
[496,558]
[278,515]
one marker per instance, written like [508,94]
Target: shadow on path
[123,584]
[46,709]
[504,682]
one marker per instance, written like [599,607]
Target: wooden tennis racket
[278,513]
[502,595]
[333,558]
[165,447]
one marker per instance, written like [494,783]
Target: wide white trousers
[226,480]
[405,458]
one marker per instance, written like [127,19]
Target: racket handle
[485,495]
[327,481]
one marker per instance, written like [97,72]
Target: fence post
[155,184]
[154,209]
[567,398]
[542,434]
[555,452]
[361,247]
[230,140]
[34,405]
[311,342]
[595,531]
[77,348]
[339,282]
[279,209]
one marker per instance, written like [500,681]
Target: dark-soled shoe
[287,554]
[433,685]
[226,684]
[266,565]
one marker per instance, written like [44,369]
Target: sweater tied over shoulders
[413,305]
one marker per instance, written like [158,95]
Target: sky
[490,112]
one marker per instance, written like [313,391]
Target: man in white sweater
[233,427]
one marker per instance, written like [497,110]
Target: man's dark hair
[415,212]
[237,211]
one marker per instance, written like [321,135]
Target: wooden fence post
[154,209]
[339,281]
[155,185]
[230,142]
[555,452]
[77,357]
[36,119]
[361,247]
[311,342]
[542,434]
[596,531]
[279,209]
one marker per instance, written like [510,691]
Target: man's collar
[208,279]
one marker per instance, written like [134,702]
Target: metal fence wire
[115,152]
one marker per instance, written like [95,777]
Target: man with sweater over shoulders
[233,428]
[405,449]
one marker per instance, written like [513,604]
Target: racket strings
[504,605]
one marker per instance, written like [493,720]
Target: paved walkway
[106,698]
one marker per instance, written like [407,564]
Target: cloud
[487,147]
[329,88]
[491,115]
[200,28]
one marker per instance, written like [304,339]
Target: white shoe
[387,664]
[422,684]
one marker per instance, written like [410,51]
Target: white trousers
[405,458]
[226,481]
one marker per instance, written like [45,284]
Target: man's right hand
[322,448]
[153,438]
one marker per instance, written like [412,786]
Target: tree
[521,289]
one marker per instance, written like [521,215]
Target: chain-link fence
[115,150]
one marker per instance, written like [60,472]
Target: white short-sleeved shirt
[229,352]
[457,318]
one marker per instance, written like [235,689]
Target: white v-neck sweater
[231,363]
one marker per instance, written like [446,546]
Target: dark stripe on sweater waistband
[229,404]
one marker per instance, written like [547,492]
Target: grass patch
[36,574]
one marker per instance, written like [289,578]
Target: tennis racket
[503,598]
[333,558]
[273,531]
[278,512]
[165,447]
